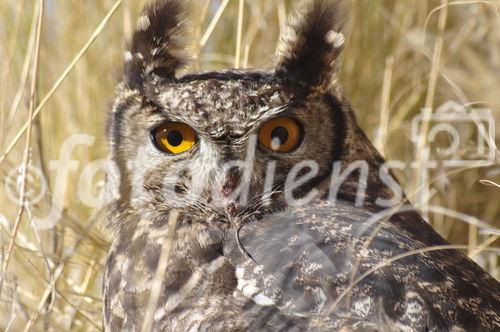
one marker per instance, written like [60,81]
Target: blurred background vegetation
[401,56]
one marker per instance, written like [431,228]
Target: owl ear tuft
[311,42]
[160,44]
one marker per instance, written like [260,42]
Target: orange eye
[280,135]
[174,138]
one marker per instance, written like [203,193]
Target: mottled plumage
[266,264]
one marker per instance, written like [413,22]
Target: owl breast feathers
[249,200]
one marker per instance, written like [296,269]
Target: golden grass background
[401,55]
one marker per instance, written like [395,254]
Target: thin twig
[204,11]
[8,61]
[127,19]
[431,90]
[57,273]
[385,102]
[237,56]
[28,59]
[455,3]
[454,86]
[483,246]
[26,157]
[256,24]
[392,260]
[490,183]
[246,56]
[281,14]
[61,79]
[213,23]
[154,294]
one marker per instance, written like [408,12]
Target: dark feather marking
[158,48]
[310,57]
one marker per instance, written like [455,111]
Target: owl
[222,208]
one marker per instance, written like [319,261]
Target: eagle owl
[246,159]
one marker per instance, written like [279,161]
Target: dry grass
[401,56]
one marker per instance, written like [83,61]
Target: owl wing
[326,267]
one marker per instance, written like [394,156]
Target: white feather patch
[143,23]
[337,39]
[127,56]
[263,300]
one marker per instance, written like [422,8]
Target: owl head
[226,144]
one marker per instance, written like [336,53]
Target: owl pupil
[279,135]
[174,138]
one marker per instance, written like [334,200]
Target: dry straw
[401,56]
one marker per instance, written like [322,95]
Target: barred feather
[160,44]
[312,41]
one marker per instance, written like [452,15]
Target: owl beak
[231,182]
[229,189]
